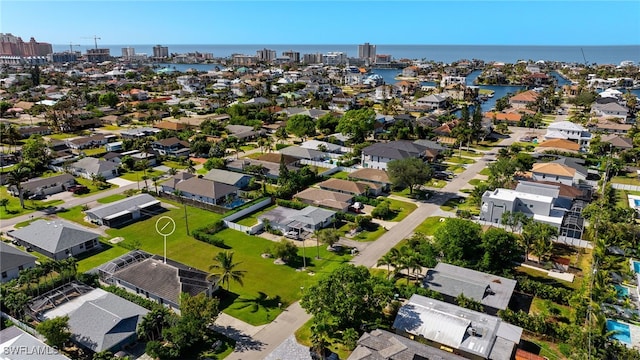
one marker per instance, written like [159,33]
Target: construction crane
[584,57]
[71,45]
[95,39]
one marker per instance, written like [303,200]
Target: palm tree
[156,181]
[16,176]
[191,166]
[224,269]
[387,259]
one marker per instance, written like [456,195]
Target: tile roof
[376,175]
[352,187]
[510,117]
[325,198]
[560,144]
[553,169]
[526,96]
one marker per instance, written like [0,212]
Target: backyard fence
[229,220]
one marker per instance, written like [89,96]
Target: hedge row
[556,294]
[291,204]
[537,324]
[137,299]
[206,234]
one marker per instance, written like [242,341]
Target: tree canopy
[301,126]
[55,330]
[459,240]
[357,123]
[409,172]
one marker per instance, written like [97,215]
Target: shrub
[291,204]
[345,216]
[145,303]
[382,211]
[536,323]
[281,146]
[200,235]
[366,200]
[556,294]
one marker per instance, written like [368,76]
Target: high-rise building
[294,56]
[266,55]
[128,52]
[11,45]
[312,58]
[160,51]
[367,51]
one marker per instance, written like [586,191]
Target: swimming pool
[636,267]
[637,202]
[621,290]
[623,333]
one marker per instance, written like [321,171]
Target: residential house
[299,152]
[541,202]
[375,176]
[44,186]
[567,130]
[171,125]
[432,102]
[384,345]
[325,198]
[156,278]
[125,211]
[99,320]
[492,291]
[523,99]
[89,167]
[27,131]
[171,147]
[243,132]
[464,332]
[325,147]
[137,133]
[151,158]
[57,239]
[410,71]
[12,261]
[86,142]
[618,142]
[20,345]
[558,172]
[610,127]
[610,110]
[307,220]
[559,145]
[498,117]
[203,190]
[355,188]
[232,178]
[114,146]
[378,155]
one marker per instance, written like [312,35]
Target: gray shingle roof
[94,166]
[302,153]
[12,258]
[384,345]
[100,320]
[395,150]
[34,184]
[54,236]
[17,339]
[490,290]
[129,203]
[204,187]
[224,176]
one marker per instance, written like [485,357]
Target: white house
[569,131]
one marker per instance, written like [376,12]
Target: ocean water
[439,53]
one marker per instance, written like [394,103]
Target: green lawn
[303,336]
[627,179]
[14,209]
[456,169]
[429,225]
[248,147]
[459,203]
[50,173]
[99,257]
[75,214]
[25,223]
[62,136]
[97,152]
[262,275]
[485,172]
[252,219]
[435,183]
[458,160]
[137,175]
[202,171]
[401,209]
[111,198]
[111,127]
[470,153]
[174,164]
[93,189]
[476,182]
[365,235]
[340,175]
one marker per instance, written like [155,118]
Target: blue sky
[560,22]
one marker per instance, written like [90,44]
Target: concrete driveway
[120,181]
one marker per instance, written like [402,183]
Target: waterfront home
[558,172]
[432,102]
[57,239]
[610,110]
[523,99]
[618,142]
[499,117]
[568,130]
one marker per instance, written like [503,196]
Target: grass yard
[417,194]
[434,183]
[25,223]
[470,153]
[458,160]
[370,234]
[14,209]
[76,215]
[202,171]
[111,198]
[627,179]
[485,172]
[401,209]
[137,175]
[248,147]
[97,152]
[99,257]
[261,276]
[174,164]
[62,136]
[111,127]
[91,186]
[456,169]
[430,225]
[340,175]
[50,173]
[476,182]
[252,219]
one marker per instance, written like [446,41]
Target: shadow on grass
[227,298]
[520,301]
[104,246]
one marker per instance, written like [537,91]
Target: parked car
[78,189]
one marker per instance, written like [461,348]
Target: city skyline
[325,22]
